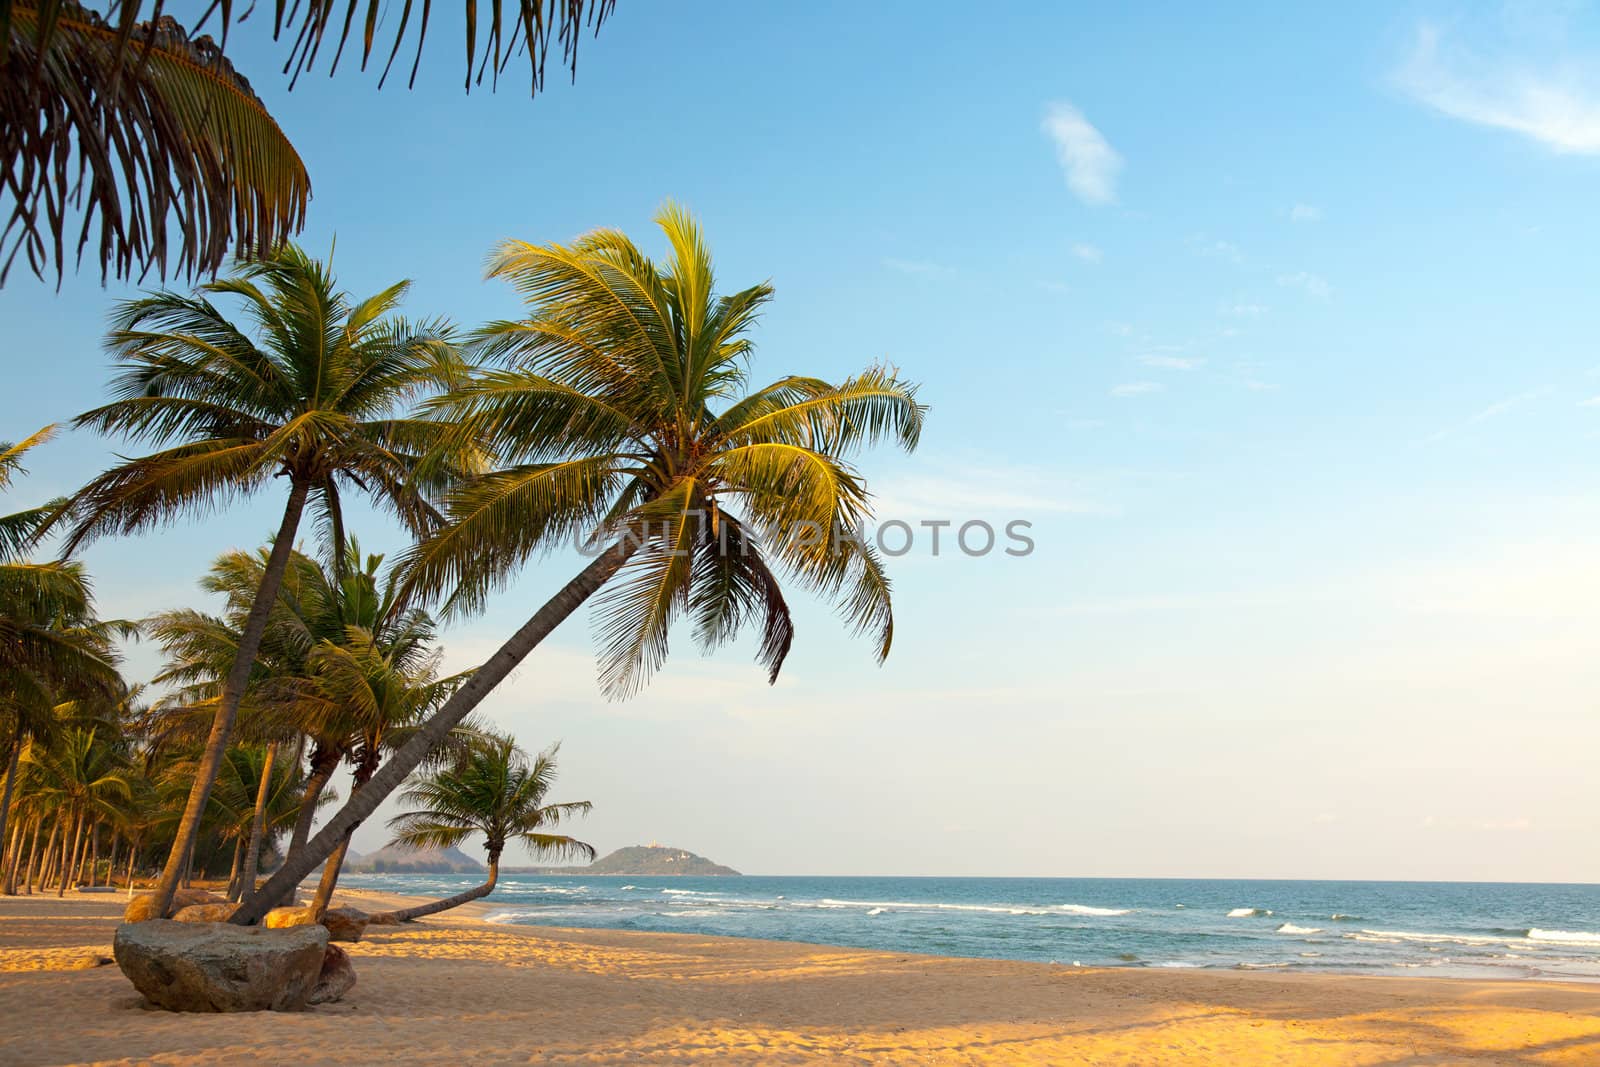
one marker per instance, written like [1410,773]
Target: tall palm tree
[493,790]
[317,396]
[52,648]
[168,137]
[622,411]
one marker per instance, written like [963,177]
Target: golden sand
[457,990]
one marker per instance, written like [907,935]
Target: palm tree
[315,397]
[52,648]
[170,138]
[622,408]
[494,791]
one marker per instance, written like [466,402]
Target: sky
[1276,324]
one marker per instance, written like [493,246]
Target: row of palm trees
[341,675]
[618,411]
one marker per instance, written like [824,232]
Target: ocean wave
[1245,913]
[1291,928]
[928,905]
[1564,937]
[877,911]
[1261,966]
[1085,909]
[1397,936]
[1340,917]
[627,887]
[1177,964]
[690,893]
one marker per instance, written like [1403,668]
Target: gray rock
[143,906]
[221,967]
[338,977]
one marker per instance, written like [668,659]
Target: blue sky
[1277,324]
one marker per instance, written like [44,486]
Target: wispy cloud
[1172,362]
[1086,252]
[1313,284]
[1494,410]
[1305,213]
[925,268]
[1550,104]
[1592,402]
[1215,249]
[1130,389]
[1244,311]
[1087,158]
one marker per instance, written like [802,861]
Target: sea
[1445,929]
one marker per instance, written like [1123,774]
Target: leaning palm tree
[164,135]
[313,390]
[495,791]
[622,413]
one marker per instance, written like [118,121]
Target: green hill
[642,861]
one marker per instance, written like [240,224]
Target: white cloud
[1216,249]
[1172,362]
[1128,389]
[1244,311]
[923,267]
[1551,105]
[1090,163]
[1313,284]
[1086,252]
[1494,410]
[1305,213]
[1592,402]
[1255,385]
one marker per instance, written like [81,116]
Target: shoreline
[457,988]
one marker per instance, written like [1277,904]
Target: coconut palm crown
[314,388]
[621,408]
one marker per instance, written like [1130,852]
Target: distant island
[641,861]
[392,860]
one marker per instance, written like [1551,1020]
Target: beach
[458,989]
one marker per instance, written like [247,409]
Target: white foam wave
[1085,909]
[1397,936]
[627,887]
[689,893]
[1245,913]
[877,911]
[915,905]
[1291,928]
[1564,937]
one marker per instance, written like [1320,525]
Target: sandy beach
[459,989]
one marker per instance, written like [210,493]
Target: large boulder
[205,913]
[344,924]
[143,907]
[221,967]
[337,978]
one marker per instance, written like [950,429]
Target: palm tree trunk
[233,872]
[133,859]
[11,776]
[33,857]
[324,762]
[94,855]
[70,860]
[330,878]
[255,626]
[433,733]
[405,915]
[13,856]
[111,861]
[258,825]
[44,861]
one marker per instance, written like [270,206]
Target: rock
[143,907]
[221,967]
[338,977]
[284,918]
[205,913]
[344,924]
